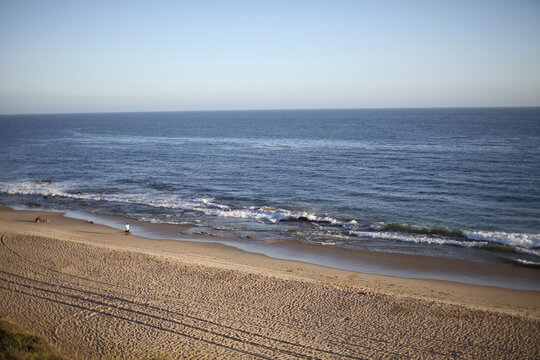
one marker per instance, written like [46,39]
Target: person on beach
[127,229]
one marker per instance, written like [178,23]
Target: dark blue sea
[459,183]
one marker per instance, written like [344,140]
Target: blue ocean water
[449,182]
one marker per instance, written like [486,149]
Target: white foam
[526,262]
[206,205]
[153,220]
[377,227]
[524,243]
[415,238]
[515,239]
[528,251]
[34,188]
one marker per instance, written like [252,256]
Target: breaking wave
[493,241]
[441,235]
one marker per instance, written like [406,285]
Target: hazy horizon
[277,109]
[72,57]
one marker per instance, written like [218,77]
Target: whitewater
[462,183]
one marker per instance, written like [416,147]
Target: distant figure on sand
[127,229]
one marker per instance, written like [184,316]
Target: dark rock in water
[302,219]
[305,219]
[44,181]
[47,197]
[250,237]
[33,205]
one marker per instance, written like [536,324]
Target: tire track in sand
[93,302]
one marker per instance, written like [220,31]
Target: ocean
[457,183]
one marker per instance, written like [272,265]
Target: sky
[107,56]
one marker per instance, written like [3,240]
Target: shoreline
[97,293]
[507,275]
[208,251]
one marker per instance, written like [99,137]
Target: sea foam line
[514,239]
[431,234]
[526,243]
[203,205]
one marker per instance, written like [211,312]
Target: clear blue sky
[86,56]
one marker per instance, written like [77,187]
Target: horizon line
[274,109]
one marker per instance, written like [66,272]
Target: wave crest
[529,243]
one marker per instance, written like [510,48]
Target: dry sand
[96,293]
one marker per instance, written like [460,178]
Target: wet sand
[96,293]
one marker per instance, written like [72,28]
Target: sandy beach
[96,293]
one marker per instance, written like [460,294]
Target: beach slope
[96,293]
